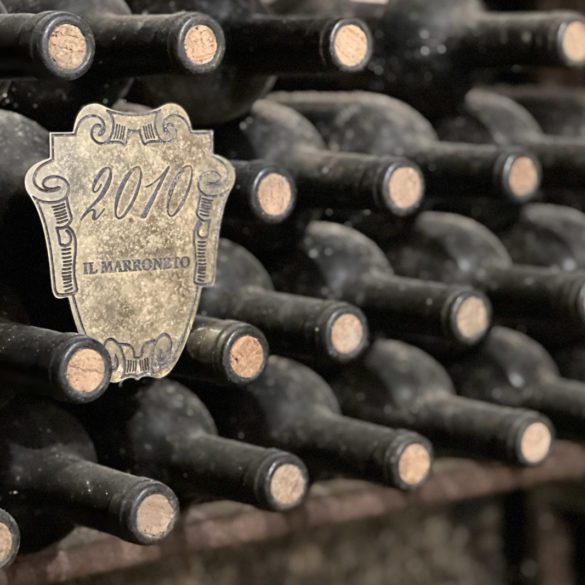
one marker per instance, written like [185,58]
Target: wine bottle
[291,407]
[453,248]
[160,429]
[547,235]
[559,111]
[513,370]
[337,262]
[324,178]
[223,352]
[491,118]
[126,46]
[376,124]
[444,47]
[50,481]
[399,385]
[52,44]
[64,366]
[9,539]
[259,46]
[306,328]
[264,192]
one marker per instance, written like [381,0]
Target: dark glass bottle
[399,385]
[324,178]
[259,46]
[559,111]
[547,235]
[488,117]
[514,370]
[444,47]
[9,539]
[334,261]
[160,429]
[51,44]
[380,125]
[223,352]
[453,248]
[313,330]
[291,407]
[126,46]
[49,481]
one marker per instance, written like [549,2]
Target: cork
[573,42]
[523,177]
[351,45]
[201,44]
[405,188]
[275,194]
[347,334]
[247,357]
[536,442]
[415,464]
[288,485]
[473,317]
[6,543]
[67,47]
[85,371]
[155,516]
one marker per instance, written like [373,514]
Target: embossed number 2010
[129,189]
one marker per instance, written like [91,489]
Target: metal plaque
[131,206]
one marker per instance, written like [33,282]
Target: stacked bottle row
[390,285]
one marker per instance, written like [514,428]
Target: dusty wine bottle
[9,539]
[376,124]
[337,262]
[223,352]
[259,46]
[442,48]
[559,111]
[514,370]
[291,407]
[160,429]
[64,366]
[126,46]
[399,385]
[51,482]
[264,192]
[50,44]
[324,178]
[306,328]
[453,248]
[547,235]
[491,118]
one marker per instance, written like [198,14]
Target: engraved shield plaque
[131,207]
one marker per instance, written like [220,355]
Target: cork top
[473,317]
[247,357]
[523,177]
[85,371]
[536,442]
[275,194]
[155,516]
[415,464]
[201,44]
[288,485]
[67,47]
[405,188]
[351,45]
[347,333]
[573,42]
[6,543]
